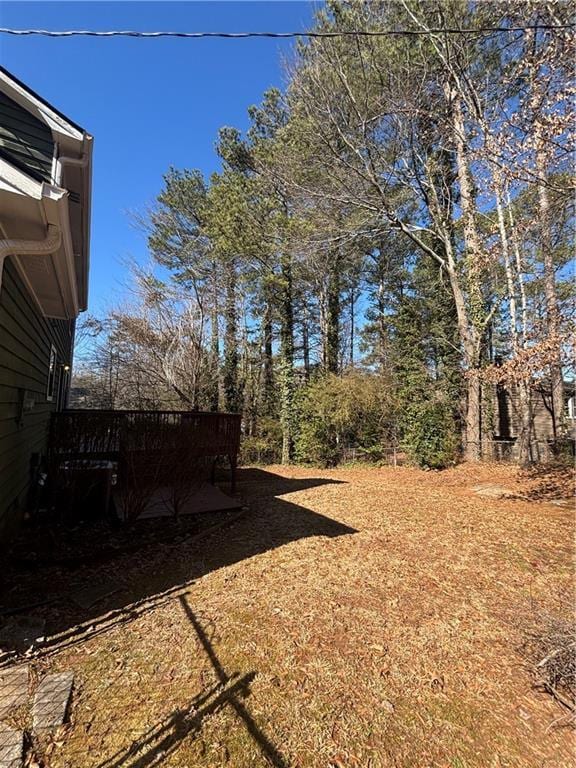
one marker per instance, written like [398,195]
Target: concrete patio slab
[11,747]
[13,688]
[51,700]
[208,498]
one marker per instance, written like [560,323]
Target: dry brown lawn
[353,617]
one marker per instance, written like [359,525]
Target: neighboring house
[544,436]
[45,188]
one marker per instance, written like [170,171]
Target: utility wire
[283,35]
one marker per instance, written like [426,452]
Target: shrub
[336,412]
[430,435]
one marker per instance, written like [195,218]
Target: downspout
[15,247]
[79,162]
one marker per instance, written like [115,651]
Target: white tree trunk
[550,293]
[472,451]
[524,400]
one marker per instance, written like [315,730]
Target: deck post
[233,464]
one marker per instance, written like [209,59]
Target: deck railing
[100,435]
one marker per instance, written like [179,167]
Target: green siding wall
[25,341]
[24,140]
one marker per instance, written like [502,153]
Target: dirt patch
[358,617]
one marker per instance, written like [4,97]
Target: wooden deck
[147,446]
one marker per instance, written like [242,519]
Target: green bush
[430,435]
[336,412]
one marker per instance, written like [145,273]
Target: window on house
[63,387]
[51,374]
[571,408]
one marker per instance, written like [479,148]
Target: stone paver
[51,700]
[13,688]
[492,490]
[11,747]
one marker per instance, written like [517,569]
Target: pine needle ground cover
[353,617]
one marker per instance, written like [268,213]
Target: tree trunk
[306,343]
[214,385]
[381,310]
[473,318]
[352,323]
[524,388]
[286,360]
[267,363]
[550,294]
[440,207]
[332,344]
[524,404]
[470,343]
[230,374]
[519,272]
[526,421]
[472,447]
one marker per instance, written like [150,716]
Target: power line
[282,35]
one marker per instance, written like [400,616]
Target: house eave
[74,146]
[73,171]
[50,278]
[36,105]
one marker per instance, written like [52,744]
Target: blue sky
[148,103]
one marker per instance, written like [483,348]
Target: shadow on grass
[163,739]
[147,576]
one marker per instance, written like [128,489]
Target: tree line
[388,241]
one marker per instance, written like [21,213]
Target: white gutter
[83,162]
[14,247]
